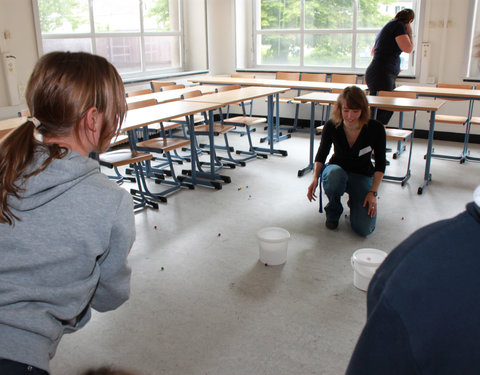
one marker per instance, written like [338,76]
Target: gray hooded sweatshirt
[67,253]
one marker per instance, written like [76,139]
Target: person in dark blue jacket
[394,38]
[423,305]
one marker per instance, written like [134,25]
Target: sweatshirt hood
[60,176]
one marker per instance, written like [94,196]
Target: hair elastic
[35,121]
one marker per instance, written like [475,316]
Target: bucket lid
[369,257]
[273,234]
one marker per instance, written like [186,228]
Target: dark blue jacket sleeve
[383,347]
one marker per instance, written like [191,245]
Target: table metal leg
[309,167]
[428,157]
[270,137]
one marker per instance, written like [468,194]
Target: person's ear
[92,120]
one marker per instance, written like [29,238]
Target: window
[328,35]
[473,42]
[140,38]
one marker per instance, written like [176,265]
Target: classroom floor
[202,303]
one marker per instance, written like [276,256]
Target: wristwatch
[374,193]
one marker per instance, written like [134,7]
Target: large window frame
[472,53]
[248,52]
[143,69]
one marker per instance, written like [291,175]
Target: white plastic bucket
[273,244]
[365,262]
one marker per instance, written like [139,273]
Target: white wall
[221,36]
[16,17]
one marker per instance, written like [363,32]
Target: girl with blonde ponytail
[66,229]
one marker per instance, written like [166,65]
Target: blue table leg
[270,138]
[309,167]
[428,157]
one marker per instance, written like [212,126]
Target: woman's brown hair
[62,88]
[354,98]
[405,16]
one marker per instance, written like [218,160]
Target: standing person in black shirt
[350,170]
[394,38]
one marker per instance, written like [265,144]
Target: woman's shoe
[331,224]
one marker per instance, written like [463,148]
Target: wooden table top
[137,118]
[165,96]
[235,96]
[379,101]
[440,91]
[302,85]
[6,126]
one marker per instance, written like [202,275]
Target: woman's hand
[408,26]
[311,190]
[371,200]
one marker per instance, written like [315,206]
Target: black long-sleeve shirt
[358,158]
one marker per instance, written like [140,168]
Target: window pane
[279,49]
[333,50]
[72,45]
[160,15]
[280,14]
[116,15]
[123,52]
[363,56]
[328,14]
[162,52]
[63,16]
[404,61]
[375,14]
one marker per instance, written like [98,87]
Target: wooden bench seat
[398,134]
[164,144]
[217,129]
[245,120]
[119,158]
[450,119]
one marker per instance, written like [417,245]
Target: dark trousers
[380,78]
[8,367]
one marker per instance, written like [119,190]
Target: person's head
[70,96]
[65,88]
[405,16]
[352,103]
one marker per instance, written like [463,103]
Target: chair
[246,121]
[310,77]
[342,78]
[157,85]
[249,103]
[138,92]
[400,135]
[161,145]
[172,87]
[453,119]
[152,128]
[218,129]
[119,158]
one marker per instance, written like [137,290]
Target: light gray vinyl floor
[202,303]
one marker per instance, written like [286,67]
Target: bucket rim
[285,232]
[356,259]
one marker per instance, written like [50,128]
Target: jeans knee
[363,227]
[334,179]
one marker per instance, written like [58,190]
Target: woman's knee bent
[334,179]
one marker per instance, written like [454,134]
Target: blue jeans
[336,182]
